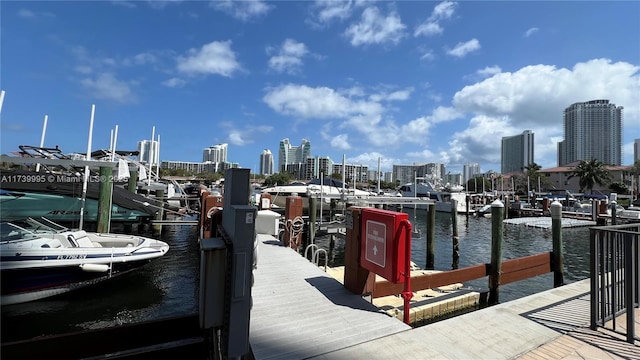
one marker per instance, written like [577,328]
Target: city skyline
[407,82]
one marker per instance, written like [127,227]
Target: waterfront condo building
[215,154]
[266,162]
[517,152]
[592,130]
[293,158]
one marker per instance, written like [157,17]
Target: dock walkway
[300,312]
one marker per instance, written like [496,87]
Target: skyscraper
[469,171]
[636,150]
[215,154]
[292,155]
[517,152]
[592,130]
[266,162]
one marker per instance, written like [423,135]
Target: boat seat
[55,243]
[84,242]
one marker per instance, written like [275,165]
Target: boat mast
[378,175]
[86,168]
[44,131]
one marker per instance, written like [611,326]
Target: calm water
[169,286]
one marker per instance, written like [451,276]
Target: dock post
[313,211]
[467,199]
[614,220]
[157,228]
[497,207]
[557,257]
[132,183]
[104,199]
[294,223]
[431,236]
[455,239]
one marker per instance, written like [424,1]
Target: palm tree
[591,172]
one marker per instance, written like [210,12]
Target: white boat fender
[95,267]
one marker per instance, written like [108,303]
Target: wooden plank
[518,264]
[525,267]
[430,281]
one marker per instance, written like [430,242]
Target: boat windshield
[10,232]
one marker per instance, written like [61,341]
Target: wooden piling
[497,208]
[557,255]
[431,236]
[104,199]
[132,183]
[157,228]
[313,211]
[455,239]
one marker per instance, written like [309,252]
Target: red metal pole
[407,294]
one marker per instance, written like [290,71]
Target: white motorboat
[40,258]
[443,199]
[326,190]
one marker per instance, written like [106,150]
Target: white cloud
[531,31]
[462,49]
[398,95]
[242,10]
[245,135]
[331,9]
[431,26]
[444,10]
[106,86]
[375,28]
[356,112]
[213,58]
[289,57]
[161,4]
[428,55]
[489,71]
[340,142]
[236,138]
[174,82]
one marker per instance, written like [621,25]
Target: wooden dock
[299,311]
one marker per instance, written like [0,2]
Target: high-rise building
[469,171]
[215,154]
[517,152]
[592,130]
[148,152]
[636,150]
[266,162]
[293,155]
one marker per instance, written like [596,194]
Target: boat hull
[30,284]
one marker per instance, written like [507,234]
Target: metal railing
[615,269]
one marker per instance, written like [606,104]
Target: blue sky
[404,81]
